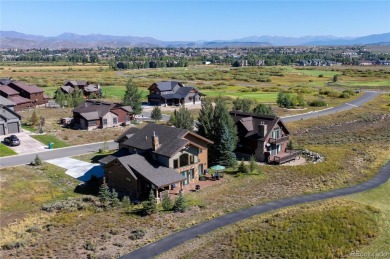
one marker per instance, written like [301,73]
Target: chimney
[155,142]
[262,129]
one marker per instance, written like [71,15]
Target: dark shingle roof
[67,88]
[102,108]
[156,174]
[28,88]
[8,90]
[90,115]
[250,122]
[107,159]
[167,85]
[127,134]
[170,139]
[7,114]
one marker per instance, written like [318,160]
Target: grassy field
[378,198]
[330,229]
[6,151]
[45,139]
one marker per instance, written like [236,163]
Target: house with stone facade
[155,157]
[95,114]
[266,137]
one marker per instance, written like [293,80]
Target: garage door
[13,127]
[2,132]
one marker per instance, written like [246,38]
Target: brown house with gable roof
[32,92]
[155,157]
[264,136]
[94,114]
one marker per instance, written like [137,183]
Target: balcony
[278,140]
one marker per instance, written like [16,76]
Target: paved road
[366,97]
[55,153]
[181,237]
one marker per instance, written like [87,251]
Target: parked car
[12,140]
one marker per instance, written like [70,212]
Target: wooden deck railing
[292,155]
[278,140]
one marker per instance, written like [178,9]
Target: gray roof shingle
[158,175]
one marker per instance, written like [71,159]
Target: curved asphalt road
[55,153]
[366,97]
[181,237]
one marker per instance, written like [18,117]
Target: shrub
[90,245]
[318,103]
[37,160]
[150,206]
[13,245]
[252,164]
[166,202]
[126,202]
[180,204]
[137,234]
[242,168]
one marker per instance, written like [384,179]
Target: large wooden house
[266,137]
[155,157]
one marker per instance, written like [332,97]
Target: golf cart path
[176,239]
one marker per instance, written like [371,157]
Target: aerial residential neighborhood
[194,129]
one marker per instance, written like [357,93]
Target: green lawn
[117,92]
[45,139]
[378,198]
[6,151]
[257,96]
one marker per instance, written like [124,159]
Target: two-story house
[32,92]
[173,93]
[20,102]
[155,157]
[264,136]
[94,114]
[88,89]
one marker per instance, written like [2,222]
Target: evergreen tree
[242,167]
[182,119]
[114,200]
[205,120]
[132,97]
[166,202]
[104,193]
[252,164]
[242,105]
[126,202]
[34,120]
[335,78]
[262,109]
[211,123]
[226,148]
[150,205]
[37,160]
[180,204]
[60,97]
[156,113]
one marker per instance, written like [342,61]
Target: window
[115,120]
[191,159]
[192,174]
[91,123]
[200,150]
[184,160]
[104,121]
[127,118]
[176,163]
[276,133]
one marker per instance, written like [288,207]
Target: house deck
[192,186]
[284,158]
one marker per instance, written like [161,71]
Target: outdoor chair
[197,188]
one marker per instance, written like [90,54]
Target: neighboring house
[155,157]
[71,85]
[9,119]
[32,92]
[266,137]
[94,114]
[20,102]
[5,81]
[173,93]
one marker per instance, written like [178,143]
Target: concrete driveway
[78,169]
[27,144]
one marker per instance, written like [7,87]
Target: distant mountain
[13,39]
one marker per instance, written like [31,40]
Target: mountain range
[13,39]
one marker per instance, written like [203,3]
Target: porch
[192,187]
[284,157]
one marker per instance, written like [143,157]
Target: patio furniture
[197,188]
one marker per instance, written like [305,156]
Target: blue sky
[196,20]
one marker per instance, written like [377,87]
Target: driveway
[27,144]
[78,169]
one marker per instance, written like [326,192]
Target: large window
[91,123]
[184,160]
[115,120]
[276,133]
[104,121]
[176,163]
